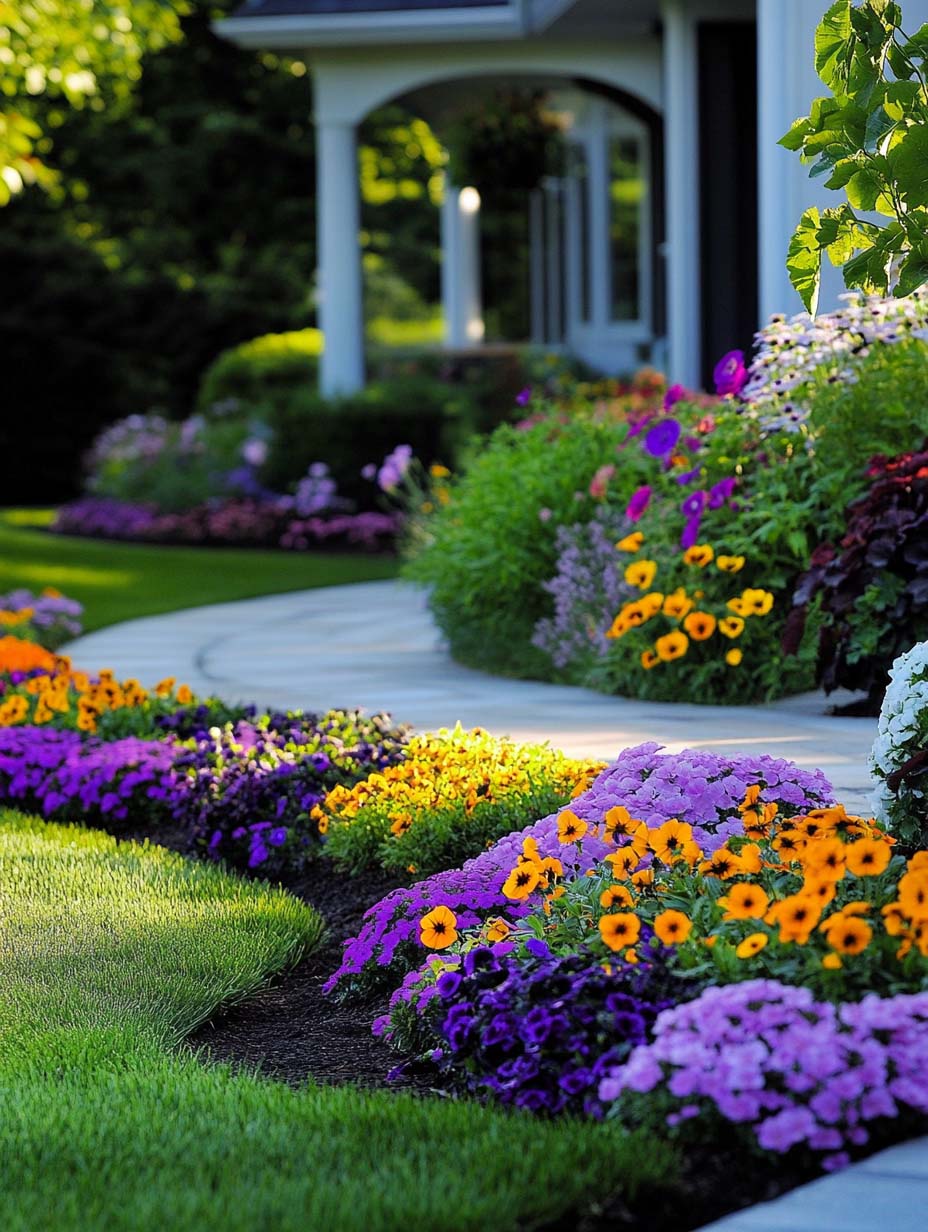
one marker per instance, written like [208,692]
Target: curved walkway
[374,645]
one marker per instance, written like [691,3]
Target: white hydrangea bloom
[902,732]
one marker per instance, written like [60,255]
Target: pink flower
[600,481]
[544,515]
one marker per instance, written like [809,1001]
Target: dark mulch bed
[290,1030]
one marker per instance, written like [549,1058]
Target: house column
[460,267]
[341,314]
[681,136]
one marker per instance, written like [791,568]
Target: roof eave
[298,32]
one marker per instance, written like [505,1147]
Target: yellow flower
[619,627]
[570,827]
[730,564]
[616,896]
[497,930]
[672,646]
[752,945]
[438,472]
[401,823]
[677,604]
[796,915]
[640,573]
[649,659]
[631,543]
[184,694]
[672,927]
[731,626]
[620,930]
[832,962]
[163,688]
[652,603]
[755,602]
[438,928]
[699,625]
[733,657]
[700,554]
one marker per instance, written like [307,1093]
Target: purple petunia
[730,374]
[662,438]
[638,504]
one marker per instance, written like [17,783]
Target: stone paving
[374,645]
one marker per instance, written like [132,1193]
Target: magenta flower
[675,394]
[638,504]
[730,373]
[688,476]
[524,396]
[662,438]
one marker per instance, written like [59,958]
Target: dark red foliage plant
[872,587]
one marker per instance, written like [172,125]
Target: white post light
[460,271]
[341,317]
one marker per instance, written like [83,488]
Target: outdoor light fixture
[469,200]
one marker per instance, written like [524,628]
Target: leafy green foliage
[870,138]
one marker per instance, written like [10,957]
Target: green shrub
[263,368]
[491,549]
[347,433]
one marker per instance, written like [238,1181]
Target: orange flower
[570,827]
[699,625]
[672,927]
[616,896]
[746,901]
[401,824]
[825,858]
[438,930]
[821,889]
[751,796]
[618,820]
[918,861]
[796,915]
[831,962]
[847,934]
[723,864]
[520,883]
[620,930]
[868,857]
[652,603]
[667,842]
[624,861]
[497,929]
[17,655]
[894,919]
[672,646]
[649,659]
[184,694]
[730,564]
[913,894]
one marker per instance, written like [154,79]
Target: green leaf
[899,63]
[863,188]
[839,234]
[878,124]
[843,170]
[798,131]
[913,273]
[909,164]
[833,45]
[804,259]
[868,272]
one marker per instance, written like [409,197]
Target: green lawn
[109,955]
[118,581]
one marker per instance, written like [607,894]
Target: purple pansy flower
[694,504]
[730,373]
[662,437]
[720,492]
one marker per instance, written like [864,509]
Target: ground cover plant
[113,953]
[116,581]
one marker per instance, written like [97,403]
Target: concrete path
[374,645]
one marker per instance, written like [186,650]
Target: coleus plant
[869,136]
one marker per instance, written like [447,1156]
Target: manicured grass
[109,954]
[119,581]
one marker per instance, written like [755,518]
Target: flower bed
[527,561]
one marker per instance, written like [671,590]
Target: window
[626,205]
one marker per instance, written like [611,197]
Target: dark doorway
[727,64]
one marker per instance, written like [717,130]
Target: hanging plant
[509,142]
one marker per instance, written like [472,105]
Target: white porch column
[340,285]
[681,143]
[460,267]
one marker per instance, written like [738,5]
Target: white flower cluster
[790,351]
[902,732]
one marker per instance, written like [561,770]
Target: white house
[688,96]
